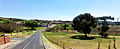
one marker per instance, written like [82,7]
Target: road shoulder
[48,44]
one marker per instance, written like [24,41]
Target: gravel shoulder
[13,42]
[48,44]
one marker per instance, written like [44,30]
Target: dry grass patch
[81,44]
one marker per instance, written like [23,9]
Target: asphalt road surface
[33,42]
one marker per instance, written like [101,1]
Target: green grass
[38,28]
[56,33]
[81,44]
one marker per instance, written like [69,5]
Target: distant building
[18,22]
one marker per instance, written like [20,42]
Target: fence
[59,44]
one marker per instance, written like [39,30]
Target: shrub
[10,27]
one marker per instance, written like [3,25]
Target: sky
[58,9]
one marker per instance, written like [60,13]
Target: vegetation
[31,23]
[66,27]
[59,27]
[24,33]
[65,38]
[10,26]
[83,23]
[104,26]
[3,20]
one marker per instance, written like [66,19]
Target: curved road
[33,42]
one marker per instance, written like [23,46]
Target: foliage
[104,26]
[3,20]
[65,26]
[68,28]
[50,29]
[58,27]
[19,28]
[9,26]
[15,19]
[83,23]
[40,22]
[55,28]
[31,23]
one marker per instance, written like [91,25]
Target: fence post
[99,42]
[63,46]
[71,48]
[57,43]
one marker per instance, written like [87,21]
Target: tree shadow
[29,29]
[108,38]
[82,37]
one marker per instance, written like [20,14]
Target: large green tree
[8,26]
[31,23]
[83,23]
[104,26]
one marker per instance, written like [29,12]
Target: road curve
[33,42]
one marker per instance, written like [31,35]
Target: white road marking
[28,43]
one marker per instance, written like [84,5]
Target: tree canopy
[65,26]
[104,24]
[31,23]
[83,23]
[10,27]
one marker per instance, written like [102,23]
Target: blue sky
[58,9]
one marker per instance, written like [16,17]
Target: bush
[50,30]
[31,23]
[10,27]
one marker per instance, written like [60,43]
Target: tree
[31,23]
[65,26]
[8,26]
[83,23]
[104,26]
[19,28]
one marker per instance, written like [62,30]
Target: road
[33,42]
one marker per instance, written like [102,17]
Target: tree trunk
[102,36]
[67,30]
[32,27]
[85,34]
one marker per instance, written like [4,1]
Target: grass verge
[48,44]
[82,44]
